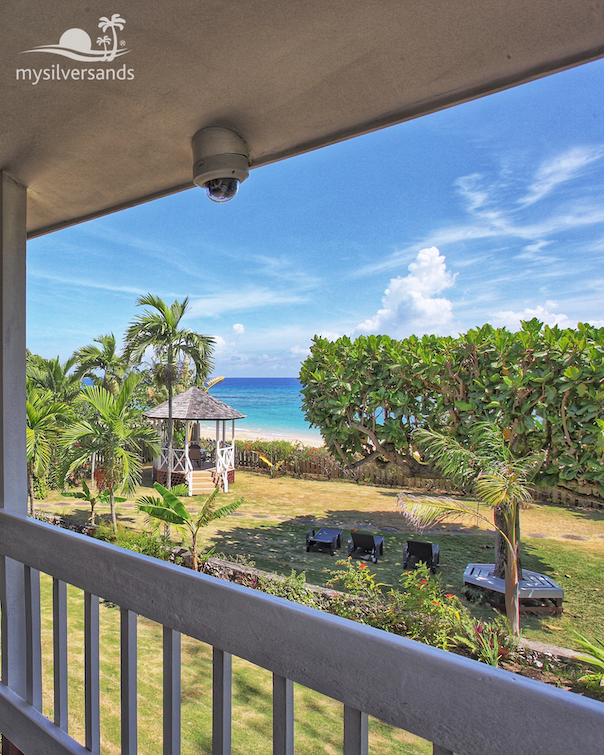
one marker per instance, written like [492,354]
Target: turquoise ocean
[272,406]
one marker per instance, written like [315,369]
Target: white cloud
[85,283]
[329,334]
[220,345]
[410,304]
[561,168]
[495,212]
[299,351]
[510,319]
[234,301]
[238,328]
[533,252]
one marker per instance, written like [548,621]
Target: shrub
[421,610]
[141,542]
[292,588]
[488,641]
[40,488]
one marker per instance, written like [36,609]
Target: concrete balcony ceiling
[286,76]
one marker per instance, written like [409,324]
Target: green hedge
[544,385]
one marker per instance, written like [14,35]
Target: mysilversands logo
[77,45]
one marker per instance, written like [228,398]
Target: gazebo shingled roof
[195,404]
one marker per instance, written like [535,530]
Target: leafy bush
[292,588]
[543,385]
[141,542]
[40,488]
[593,656]
[489,641]
[421,610]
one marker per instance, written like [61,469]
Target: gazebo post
[188,466]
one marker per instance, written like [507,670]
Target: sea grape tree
[544,386]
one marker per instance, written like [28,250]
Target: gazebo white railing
[225,461]
[180,460]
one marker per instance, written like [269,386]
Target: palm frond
[422,512]
[456,462]
[228,509]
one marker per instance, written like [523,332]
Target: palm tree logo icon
[115,22]
[104,41]
[77,44]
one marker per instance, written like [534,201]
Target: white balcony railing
[460,705]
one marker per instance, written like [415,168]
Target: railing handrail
[460,704]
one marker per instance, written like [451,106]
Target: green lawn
[269,528]
[318,725]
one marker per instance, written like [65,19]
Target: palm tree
[91,358]
[93,499]
[169,509]
[159,328]
[498,479]
[104,41]
[44,419]
[113,432]
[51,375]
[115,22]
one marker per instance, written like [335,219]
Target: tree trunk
[112,507]
[194,550]
[30,488]
[512,607]
[501,547]
[170,436]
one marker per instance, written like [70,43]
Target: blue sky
[492,211]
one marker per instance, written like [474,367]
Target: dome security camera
[220,162]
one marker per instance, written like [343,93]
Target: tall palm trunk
[114,50]
[512,606]
[501,546]
[112,509]
[30,490]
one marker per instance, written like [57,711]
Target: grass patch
[271,525]
[318,724]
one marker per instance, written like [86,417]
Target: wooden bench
[537,593]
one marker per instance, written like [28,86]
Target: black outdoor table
[325,539]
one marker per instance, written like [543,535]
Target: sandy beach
[242,433]
[306,440]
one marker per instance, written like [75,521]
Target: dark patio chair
[326,539]
[416,552]
[361,545]
[195,456]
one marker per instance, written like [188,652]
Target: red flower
[448,595]
[249,448]
[424,581]
[363,566]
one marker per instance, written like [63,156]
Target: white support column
[13,462]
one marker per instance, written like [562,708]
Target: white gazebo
[201,464]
